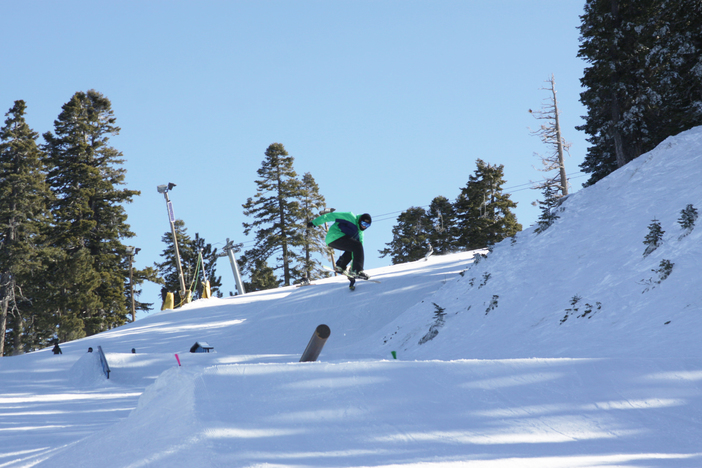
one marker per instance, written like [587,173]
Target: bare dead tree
[550,134]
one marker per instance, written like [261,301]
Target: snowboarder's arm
[332,217]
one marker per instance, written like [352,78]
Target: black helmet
[365,221]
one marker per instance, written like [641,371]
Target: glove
[310,225]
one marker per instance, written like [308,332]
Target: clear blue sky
[388,104]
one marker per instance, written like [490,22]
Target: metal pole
[171,219]
[131,286]
[314,347]
[229,248]
[131,251]
[326,229]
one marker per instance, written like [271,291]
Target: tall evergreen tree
[441,218]
[410,237]
[676,57]
[311,205]
[278,219]
[643,82]
[618,87]
[24,213]
[89,218]
[483,211]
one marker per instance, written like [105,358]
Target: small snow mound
[87,372]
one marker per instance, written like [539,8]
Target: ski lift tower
[229,251]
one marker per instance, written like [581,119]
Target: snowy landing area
[475,413]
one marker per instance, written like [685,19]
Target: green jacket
[345,224]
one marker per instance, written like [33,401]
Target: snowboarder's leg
[343,260]
[352,249]
[357,265]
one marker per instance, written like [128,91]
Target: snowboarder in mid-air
[346,234]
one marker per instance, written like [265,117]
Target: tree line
[480,217]
[64,265]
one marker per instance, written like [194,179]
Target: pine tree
[24,214]
[644,82]
[676,59]
[548,213]
[654,238]
[262,277]
[483,212]
[139,277]
[619,95]
[277,216]
[89,220]
[410,237]
[71,294]
[311,205]
[441,217]
[688,216]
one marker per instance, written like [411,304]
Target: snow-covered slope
[519,301]
[498,365]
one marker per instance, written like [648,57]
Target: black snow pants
[353,249]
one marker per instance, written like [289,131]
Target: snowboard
[352,278]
